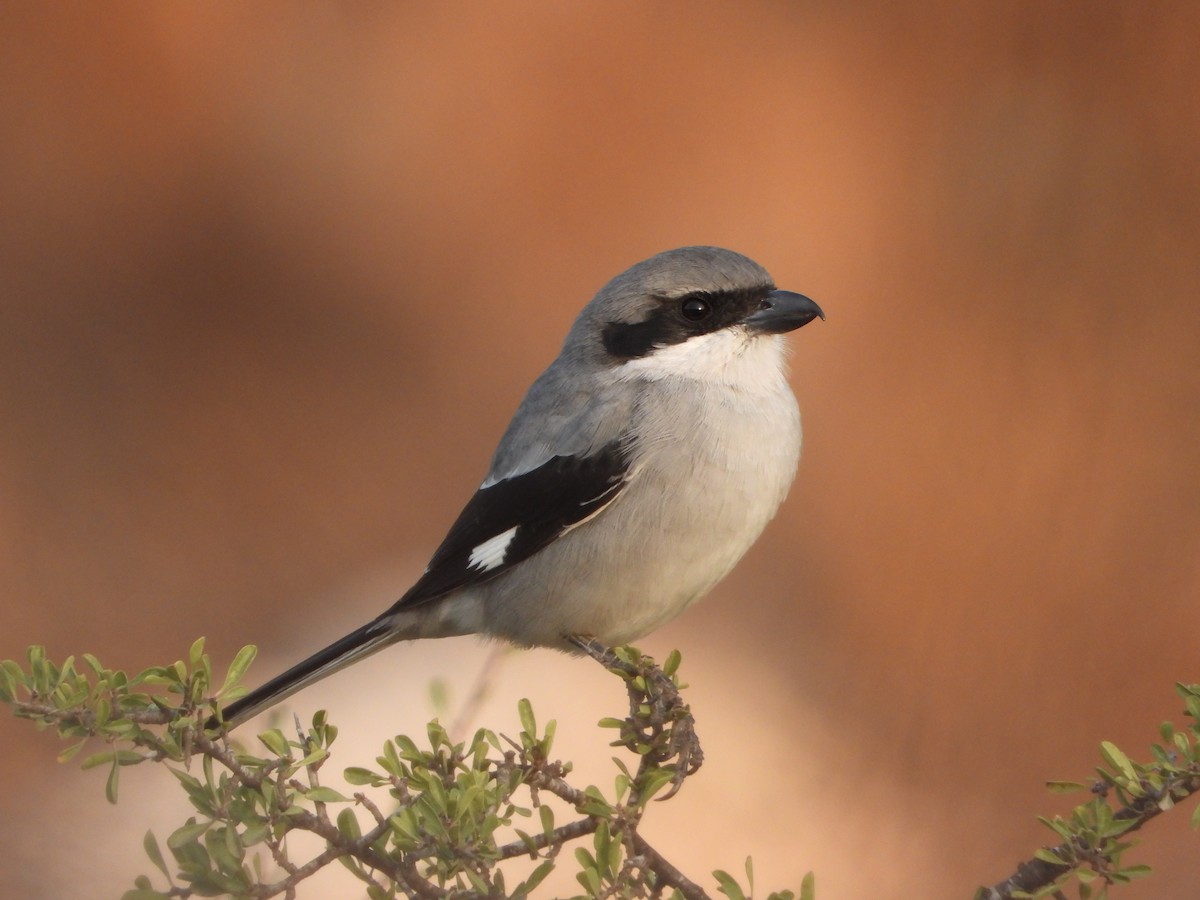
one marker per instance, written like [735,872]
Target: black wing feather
[541,504]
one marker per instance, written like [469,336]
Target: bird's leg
[661,727]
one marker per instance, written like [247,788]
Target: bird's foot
[660,727]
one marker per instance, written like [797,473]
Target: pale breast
[710,470]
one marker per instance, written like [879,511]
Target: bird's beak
[782,311]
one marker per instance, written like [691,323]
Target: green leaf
[357,775]
[314,757]
[808,887]
[525,712]
[150,844]
[325,795]
[653,781]
[594,803]
[71,751]
[390,761]
[98,759]
[1047,855]
[225,849]
[536,877]
[347,823]
[1137,871]
[110,786]
[1117,759]
[1065,787]
[274,741]
[407,749]
[1058,826]
[1118,827]
[255,833]
[8,686]
[728,885]
[187,834]
[588,876]
[15,673]
[671,665]
[196,655]
[237,668]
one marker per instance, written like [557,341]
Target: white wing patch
[490,554]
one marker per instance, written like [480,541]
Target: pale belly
[696,503]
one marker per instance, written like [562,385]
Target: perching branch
[443,817]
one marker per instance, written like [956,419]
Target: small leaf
[525,712]
[150,844]
[237,668]
[196,654]
[1137,871]
[1065,787]
[808,887]
[728,885]
[1117,759]
[274,741]
[347,823]
[98,759]
[594,803]
[186,834]
[71,751]
[653,781]
[357,775]
[536,877]
[671,665]
[325,795]
[110,786]
[1047,855]
[8,687]
[316,756]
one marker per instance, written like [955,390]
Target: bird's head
[688,312]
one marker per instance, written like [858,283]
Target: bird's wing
[509,520]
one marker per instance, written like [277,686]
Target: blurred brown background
[274,277]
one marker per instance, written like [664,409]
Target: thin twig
[560,835]
[1034,874]
[479,691]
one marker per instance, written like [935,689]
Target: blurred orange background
[273,277]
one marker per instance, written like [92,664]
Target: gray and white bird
[639,468]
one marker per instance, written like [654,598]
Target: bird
[638,470]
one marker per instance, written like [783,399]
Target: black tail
[356,645]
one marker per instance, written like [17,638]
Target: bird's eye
[695,308]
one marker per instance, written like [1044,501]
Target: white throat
[731,357]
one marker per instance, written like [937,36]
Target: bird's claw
[660,727]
